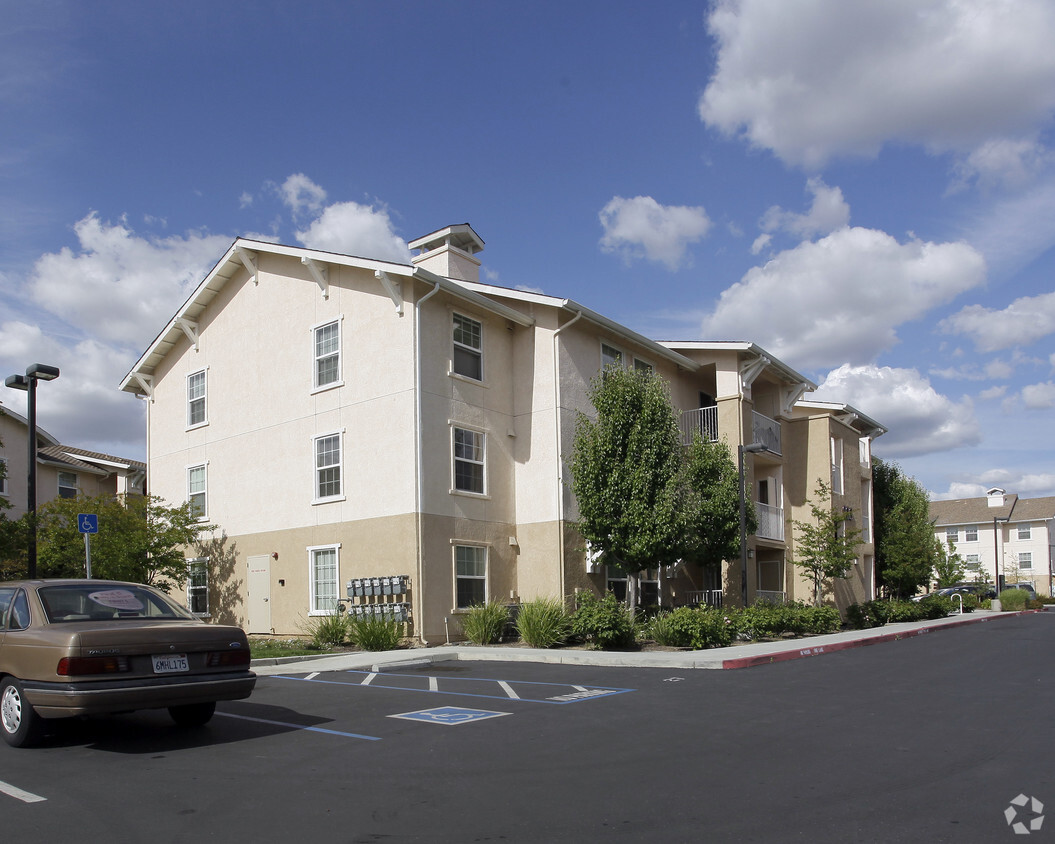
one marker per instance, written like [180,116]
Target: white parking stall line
[368,679]
[434,684]
[19,794]
[505,687]
[298,727]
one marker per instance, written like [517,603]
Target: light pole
[996,560]
[28,382]
[741,450]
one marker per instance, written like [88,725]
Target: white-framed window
[328,467]
[3,477]
[837,466]
[971,562]
[643,366]
[327,340]
[197,490]
[324,567]
[470,575]
[198,585]
[615,582]
[196,407]
[864,447]
[610,356]
[467,358]
[68,485]
[1025,560]
[469,451]
[1024,532]
[970,534]
[952,535]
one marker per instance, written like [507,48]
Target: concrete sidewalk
[737,656]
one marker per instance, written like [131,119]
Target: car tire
[19,723]
[192,714]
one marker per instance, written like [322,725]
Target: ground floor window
[323,575]
[470,575]
[198,586]
[617,581]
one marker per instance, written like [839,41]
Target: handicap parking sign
[87,523]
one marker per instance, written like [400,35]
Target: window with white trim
[328,467]
[1025,560]
[68,485]
[615,581]
[971,562]
[3,476]
[643,366]
[196,409]
[323,570]
[469,455]
[327,354]
[467,358]
[970,534]
[610,356]
[198,585]
[197,491]
[837,466]
[952,535]
[470,575]
[1024,531]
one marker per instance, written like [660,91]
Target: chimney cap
[460,236]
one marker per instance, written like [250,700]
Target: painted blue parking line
[450,715]
[375,680]
[299,726]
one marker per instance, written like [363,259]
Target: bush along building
[400,433]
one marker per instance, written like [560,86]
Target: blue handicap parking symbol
[450,715]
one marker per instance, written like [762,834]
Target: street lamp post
[28,382]
[741,450]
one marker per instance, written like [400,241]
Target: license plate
[170,663]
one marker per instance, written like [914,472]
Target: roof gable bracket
[145,382]
[792,394]
[750,370]
[247,259]
[190,328]
[394,289]
[320,274]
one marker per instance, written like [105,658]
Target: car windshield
[102,602]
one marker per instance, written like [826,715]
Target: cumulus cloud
[354,229]
[1024,484]
[641,227]
[1039,396]
[1024,321]
[828,78]
[120,286]
[301,195]
[828,212]
[842,297]
[919,420]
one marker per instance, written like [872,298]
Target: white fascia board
[868,425]
[109,463]
[462,291]
[781,368]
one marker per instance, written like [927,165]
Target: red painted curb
[818,650]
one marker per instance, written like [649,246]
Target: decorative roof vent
[449,252]
[995,497]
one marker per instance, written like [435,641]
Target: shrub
[605,623]
[763,619]
[936,606]
[543,623]
[692,627]
[1013,600]
[815,620]
[485,623]
[375,633]
[326,631]
[904,611]
[868,614]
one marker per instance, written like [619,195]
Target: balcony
[770,521]
[702,421]
[766,430]
[704,598]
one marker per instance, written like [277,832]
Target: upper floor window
[610,356]
[196,399]
[327,467]
[198,585]
[1024,532]
[3,476]
[468,356]
[837,466]
[971,562]
[469,461]
[67,485]
[970,534]
[1025,560]
[327,354]
[196,491]
[952,535]
[642,366]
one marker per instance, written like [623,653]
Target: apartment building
[1000,535]
[62,470]
[353,423]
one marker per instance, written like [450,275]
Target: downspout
[560,456]
[419,584]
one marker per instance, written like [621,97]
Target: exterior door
[259,583]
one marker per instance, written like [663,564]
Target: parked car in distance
[980,590]
[87,647]
[1025,587]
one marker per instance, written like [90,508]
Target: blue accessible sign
[87,523]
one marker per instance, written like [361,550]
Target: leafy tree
[139,539]
[711,504]
[825,548]
[12,538]
[904,537]
[626,471]
[948,565]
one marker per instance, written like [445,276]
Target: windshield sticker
[118,599]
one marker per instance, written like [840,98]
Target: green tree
[12,538]
[948,565]
[139,539]
[825,548]
[904,537]
[711,504]
[626,471]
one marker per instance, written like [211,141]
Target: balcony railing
[705,597]
[770,521]
[766,430]
[702,421]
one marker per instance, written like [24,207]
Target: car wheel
[192,714]
[19,722]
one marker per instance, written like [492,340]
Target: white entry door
[259,594]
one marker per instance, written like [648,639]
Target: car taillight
[70,666]
[228,659]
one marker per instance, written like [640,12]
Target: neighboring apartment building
[62,470]
[347,420]
[1017,532]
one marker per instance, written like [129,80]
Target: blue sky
[866,190]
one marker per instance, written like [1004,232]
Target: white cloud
[1013,163]
[1024,321]
[641,227]
[1039,396]
[842,297]
[354,229]
[301,194]
[1026,485]
[826,78]
[118,285]
[919,420]
[828,212]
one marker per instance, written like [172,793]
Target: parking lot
[927,739]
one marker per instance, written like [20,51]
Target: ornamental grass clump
[326,631]
[484,624]
[1013,600]
[543,623]
[374,633]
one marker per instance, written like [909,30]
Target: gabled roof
[772,363]
[93,462]
[972,511]
[18,417]
[847,414]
